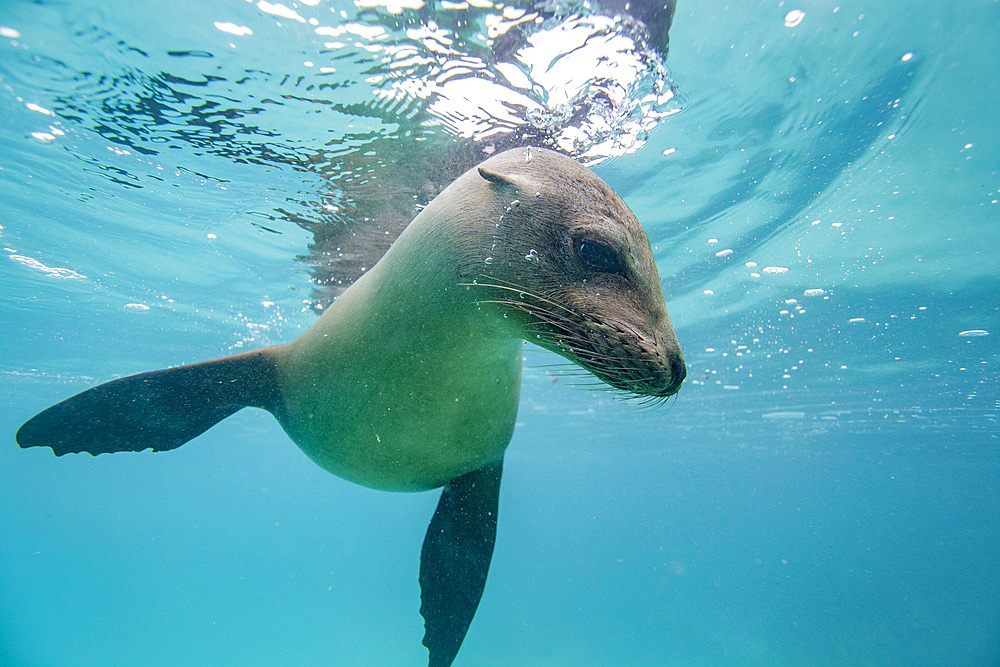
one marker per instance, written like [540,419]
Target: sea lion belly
[411,436]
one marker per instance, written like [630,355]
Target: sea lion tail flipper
[455,559]
[159,410]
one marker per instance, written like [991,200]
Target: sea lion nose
[670,348]
[678,371]
[673,371]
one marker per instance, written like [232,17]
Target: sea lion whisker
[560,374]
[572,374]
[565,324]
[562,337]
[561,332]
[591,386]
[596,355]
[544,315]
[513,287]
[562,323]
[652,402]
[626,382]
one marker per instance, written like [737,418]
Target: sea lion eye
[599,257]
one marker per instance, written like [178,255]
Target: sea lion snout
[640,364]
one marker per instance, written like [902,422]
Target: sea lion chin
[410,379]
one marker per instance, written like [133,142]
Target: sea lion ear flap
[496,177]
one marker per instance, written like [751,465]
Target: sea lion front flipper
[455,559]
[159,410]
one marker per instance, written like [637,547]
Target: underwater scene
[819,183]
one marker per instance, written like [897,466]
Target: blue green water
[822,199]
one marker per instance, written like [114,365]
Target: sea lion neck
[424,283]
[405,382]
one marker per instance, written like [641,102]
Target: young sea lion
[410,379]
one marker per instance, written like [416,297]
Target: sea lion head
[559,253]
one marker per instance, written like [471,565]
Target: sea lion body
[405,384]
[410,380]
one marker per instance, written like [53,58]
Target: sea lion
[410,379]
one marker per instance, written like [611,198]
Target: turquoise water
[821,191]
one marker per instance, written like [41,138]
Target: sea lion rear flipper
[160,410]
[455,559]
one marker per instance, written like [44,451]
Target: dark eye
[599,257]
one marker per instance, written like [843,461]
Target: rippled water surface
[819,182]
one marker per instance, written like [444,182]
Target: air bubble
[794,17]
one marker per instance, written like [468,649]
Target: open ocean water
[820,183]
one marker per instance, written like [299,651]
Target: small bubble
[794,17]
